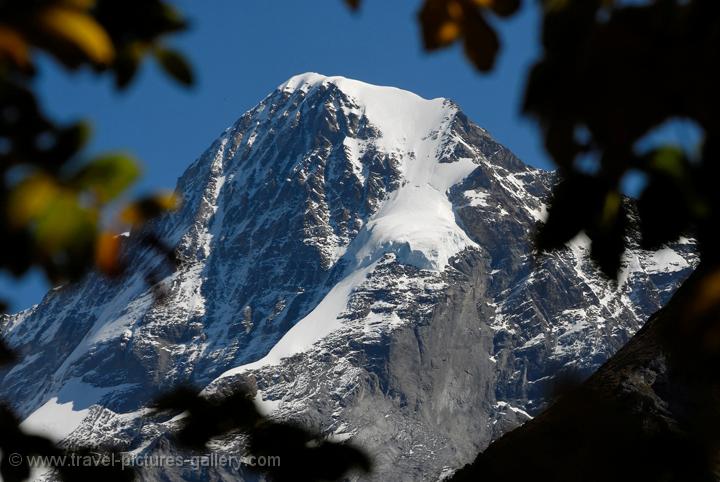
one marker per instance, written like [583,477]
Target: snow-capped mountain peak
[417,220]
[346,249]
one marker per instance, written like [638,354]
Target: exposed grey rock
[427,361]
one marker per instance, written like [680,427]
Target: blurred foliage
[446,22]
[14,441]
[610,73]
[53,198]
[52,195]
[304,456]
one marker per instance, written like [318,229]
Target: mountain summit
[362,258]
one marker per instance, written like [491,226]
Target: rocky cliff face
[362,257]
[649,413]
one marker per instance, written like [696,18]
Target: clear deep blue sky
[242,49]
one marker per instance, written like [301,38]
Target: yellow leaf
[13,46]
[556,5]
[79,29]
[131,214]
[448,32]
[706,295]
[167,201]
[81,4]
[611,208]
[455,10]
[147,208]
[30,199]
[107,253]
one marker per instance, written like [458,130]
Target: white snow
[322,321]
[54,420]
[540,213]
[355,149]
[60,415]
[503,405]
[402,116]
[266,407]
[665,260]
[477,198]
[685,240]
[417,221]
[340,437]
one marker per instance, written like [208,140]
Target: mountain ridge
[340,262]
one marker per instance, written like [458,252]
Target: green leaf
[108,176]
[65,226]
[175,65]
[670,161]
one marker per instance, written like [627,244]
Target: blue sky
[241,50]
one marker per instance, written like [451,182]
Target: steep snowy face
[293,204]
[416,136]
[345,248]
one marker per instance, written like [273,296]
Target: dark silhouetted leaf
[481,43]
[14,47]
[575,202]
[503,8]
[304,456]
[608,235]
[7,356]
[69,141]
[663,211]
[175,65]
[440,23]
[127,63]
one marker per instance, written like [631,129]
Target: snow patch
[62,414]
[266,407]
[665,260]
[322,321]
[54,420]
[504,405]
[477,198]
